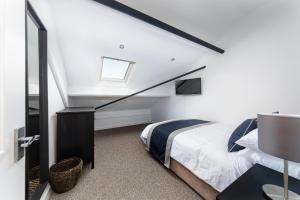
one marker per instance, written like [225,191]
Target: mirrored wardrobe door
[33,106]
[36,140]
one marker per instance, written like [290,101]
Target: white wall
[55,59]
[114,119]
[57,80]
[259,71]
[12,101]
[2,56]
[12,175]
[132,111]
[55,104]
[111,89]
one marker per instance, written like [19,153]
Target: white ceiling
[207,19]
[87,31]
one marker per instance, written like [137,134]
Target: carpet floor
[125,170]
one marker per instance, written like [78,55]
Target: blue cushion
[242,130]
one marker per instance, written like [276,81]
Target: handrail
[151,87]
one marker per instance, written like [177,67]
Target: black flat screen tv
[188,86]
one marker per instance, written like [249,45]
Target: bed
[200,157]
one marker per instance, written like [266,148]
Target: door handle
[28,140]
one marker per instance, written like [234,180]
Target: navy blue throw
[242,130]
[161,133]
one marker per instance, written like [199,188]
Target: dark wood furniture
[249,185]
[75,134]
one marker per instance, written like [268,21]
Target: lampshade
[279,136]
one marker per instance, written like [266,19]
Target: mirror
[33,105]
[36,144]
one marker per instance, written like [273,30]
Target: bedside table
[249,185]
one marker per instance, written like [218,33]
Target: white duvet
[203,151]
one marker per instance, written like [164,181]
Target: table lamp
[279,136]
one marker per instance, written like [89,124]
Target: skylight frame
[126,76]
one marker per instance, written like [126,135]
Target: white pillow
[250,140]
[277,164]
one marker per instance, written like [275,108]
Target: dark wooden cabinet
[75,134]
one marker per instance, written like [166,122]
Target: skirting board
[47,193]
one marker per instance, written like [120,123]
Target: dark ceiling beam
[155,22]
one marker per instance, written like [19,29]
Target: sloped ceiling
[88,30]
[207,19]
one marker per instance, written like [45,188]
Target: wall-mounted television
[188,86]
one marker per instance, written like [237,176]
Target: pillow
[250,140]
[277,164]
[242,130]
[273,162]
[257,156]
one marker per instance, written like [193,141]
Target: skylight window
[115,69]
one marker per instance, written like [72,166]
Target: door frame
[43,103]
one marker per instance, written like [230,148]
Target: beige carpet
[125,170]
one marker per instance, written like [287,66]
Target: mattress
[203,151]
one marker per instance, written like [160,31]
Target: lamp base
[275,192]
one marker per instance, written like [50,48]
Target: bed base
[202,188]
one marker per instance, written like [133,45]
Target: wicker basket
[34,180]
[64,174]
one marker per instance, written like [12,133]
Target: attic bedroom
[149,100]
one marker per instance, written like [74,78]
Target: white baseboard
[47,193]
